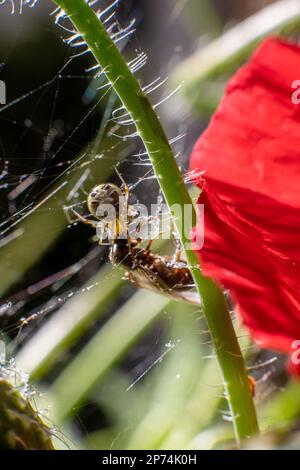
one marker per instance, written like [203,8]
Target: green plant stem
[171,182]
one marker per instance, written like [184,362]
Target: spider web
[50,145]
[58,133]
[61,136]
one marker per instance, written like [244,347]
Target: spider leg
[177,254]
[178,251]
[126,196]
[125,192]
[126,189]
[83,219]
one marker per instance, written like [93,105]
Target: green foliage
[21,428]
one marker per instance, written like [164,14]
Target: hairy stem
[176,195]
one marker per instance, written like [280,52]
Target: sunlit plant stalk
[175,192]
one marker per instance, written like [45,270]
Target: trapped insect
[169,275]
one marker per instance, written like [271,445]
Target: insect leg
[149,243]
[130,277]
[148,246]
[177,254]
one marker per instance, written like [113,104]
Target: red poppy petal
[250,155]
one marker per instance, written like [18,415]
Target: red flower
[249,158]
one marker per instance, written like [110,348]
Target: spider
[168,275]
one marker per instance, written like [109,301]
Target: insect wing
[143,277]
